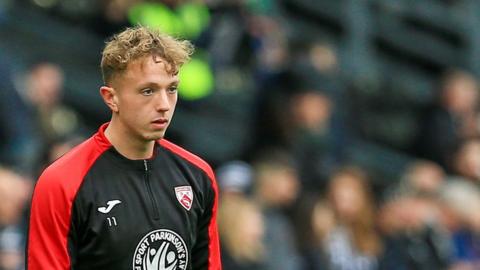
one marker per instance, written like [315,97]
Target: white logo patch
[161,250]
[184,196]
[110,205]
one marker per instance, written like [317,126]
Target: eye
[173,89]
[147,92]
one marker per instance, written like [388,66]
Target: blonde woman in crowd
[241,229]
[344,225]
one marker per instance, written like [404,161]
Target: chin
[154,136]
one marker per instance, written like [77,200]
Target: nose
[162,102]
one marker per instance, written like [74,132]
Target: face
[45,85]
[145,96]
[426,177]
[311,110]
[279,186]
[347,196]
[461,94]
[468,160]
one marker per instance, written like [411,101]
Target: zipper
[155,213]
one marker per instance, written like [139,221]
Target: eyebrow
[154,84]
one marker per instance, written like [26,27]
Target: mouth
[160,123]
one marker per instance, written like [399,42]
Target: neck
[127,144]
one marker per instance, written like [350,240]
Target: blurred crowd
[293,197]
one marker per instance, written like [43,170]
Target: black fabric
[146,189]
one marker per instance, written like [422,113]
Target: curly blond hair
[137,42]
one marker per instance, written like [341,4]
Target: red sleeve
[214,262]
[213,252]
[50,216]
[49,225]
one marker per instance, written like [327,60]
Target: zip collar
[119,159]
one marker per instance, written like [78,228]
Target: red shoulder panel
[52,201]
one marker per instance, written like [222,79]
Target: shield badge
[184,196]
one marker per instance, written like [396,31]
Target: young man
[127,198]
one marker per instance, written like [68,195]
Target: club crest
[184,196]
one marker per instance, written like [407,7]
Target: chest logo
[161,250]
[184,196]
[110,205]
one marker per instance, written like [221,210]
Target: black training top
[95,209]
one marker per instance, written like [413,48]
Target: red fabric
[214,262]
[52,201]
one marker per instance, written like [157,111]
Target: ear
[110,98]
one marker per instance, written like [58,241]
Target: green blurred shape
[189,20]
[158,16]
[196,80]
[195,18]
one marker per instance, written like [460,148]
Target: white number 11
[112,221]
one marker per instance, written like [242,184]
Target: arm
[206,252]
[47,244]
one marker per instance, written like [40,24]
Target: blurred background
[344,133]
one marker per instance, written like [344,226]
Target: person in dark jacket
[126,198]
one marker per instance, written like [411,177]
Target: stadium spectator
[275,190]
[466,160]
[413,223]
[461,200]
[241,228]
[425,176]
[235,177]
[452,120]
[19,146]
[352,242]
[317,139]
[53,120]
[14,194]
[44,91]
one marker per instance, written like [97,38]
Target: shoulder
[188,156]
